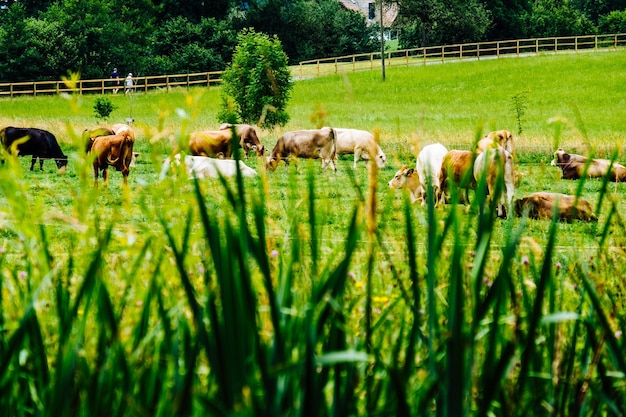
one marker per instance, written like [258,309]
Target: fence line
[476,51]
[103,85]
[335,65]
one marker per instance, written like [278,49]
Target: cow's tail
[333,152]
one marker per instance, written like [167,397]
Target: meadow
[304,292]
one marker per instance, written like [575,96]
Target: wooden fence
[335,65]
[101,86]
[479,50]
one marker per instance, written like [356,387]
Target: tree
[549,18]
[256,85]
[506,18]
[614,22]
[438,22]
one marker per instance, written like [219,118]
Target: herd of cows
[436,168]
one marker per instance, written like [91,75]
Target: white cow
[205,167]
[497,164]
[360,143]
[428,167]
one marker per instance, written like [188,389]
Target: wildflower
[22,274]
[3,249]
[618,334]
[274,254]
[525,260]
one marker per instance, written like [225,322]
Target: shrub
[103,107]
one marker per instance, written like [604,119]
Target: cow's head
[271,163]
[399,179]
[61,164]
[560,158]
[381,159]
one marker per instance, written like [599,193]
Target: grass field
[317,293]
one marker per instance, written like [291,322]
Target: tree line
[46,39]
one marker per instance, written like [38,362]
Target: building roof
[390,12]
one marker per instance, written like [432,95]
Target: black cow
[36,142]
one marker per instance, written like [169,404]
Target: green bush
[256,85]
[103,107]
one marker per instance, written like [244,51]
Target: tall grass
[301,293]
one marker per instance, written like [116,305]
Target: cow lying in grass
[542,205]
[205,167]
[575,166]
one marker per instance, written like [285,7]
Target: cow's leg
[105,176]
[40,164]
[32,162]
[357,155]
[95,175]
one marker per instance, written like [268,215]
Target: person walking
[129,83]
[115,76]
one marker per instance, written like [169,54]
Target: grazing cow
[212,143]
[457,166]
[248,139]
[115,151]
[36,142]
[205,167]
[360,143]
[502,138]
[313,144]
[409,179]
[497,165]
[542,205]
[575,166]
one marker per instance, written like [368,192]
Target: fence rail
[335,65]
[101,86]
[479,50]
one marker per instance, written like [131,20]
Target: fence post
[536,46]
[353,63]
[336,67]
[34,89]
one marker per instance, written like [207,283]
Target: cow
[502,138]
[90,134]
[575,166]
[205,167]
[36,142]
[457,166]
[115,151]
[360,143]
[497,165]
[542,205]
[313,144]
[248,139]
[409,179]
[211,143]
[428,168]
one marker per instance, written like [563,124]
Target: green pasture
[304,292]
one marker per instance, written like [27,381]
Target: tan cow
[89,135]
[361,143]
[497,165]
[248,138]
[502,138]
[408,178]
[115,151]
[542,205]
[312,144]
[458,167]
[573,167]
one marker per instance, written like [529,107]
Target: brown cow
[211,143]
[541,205]
[573,167]
[457,166]
[113,150]
[313,144]
[248,139]
[89,135]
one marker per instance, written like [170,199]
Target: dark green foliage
[614,22]
[103,107]
[257,84]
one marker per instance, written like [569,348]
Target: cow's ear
[409,172]
[566,157]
